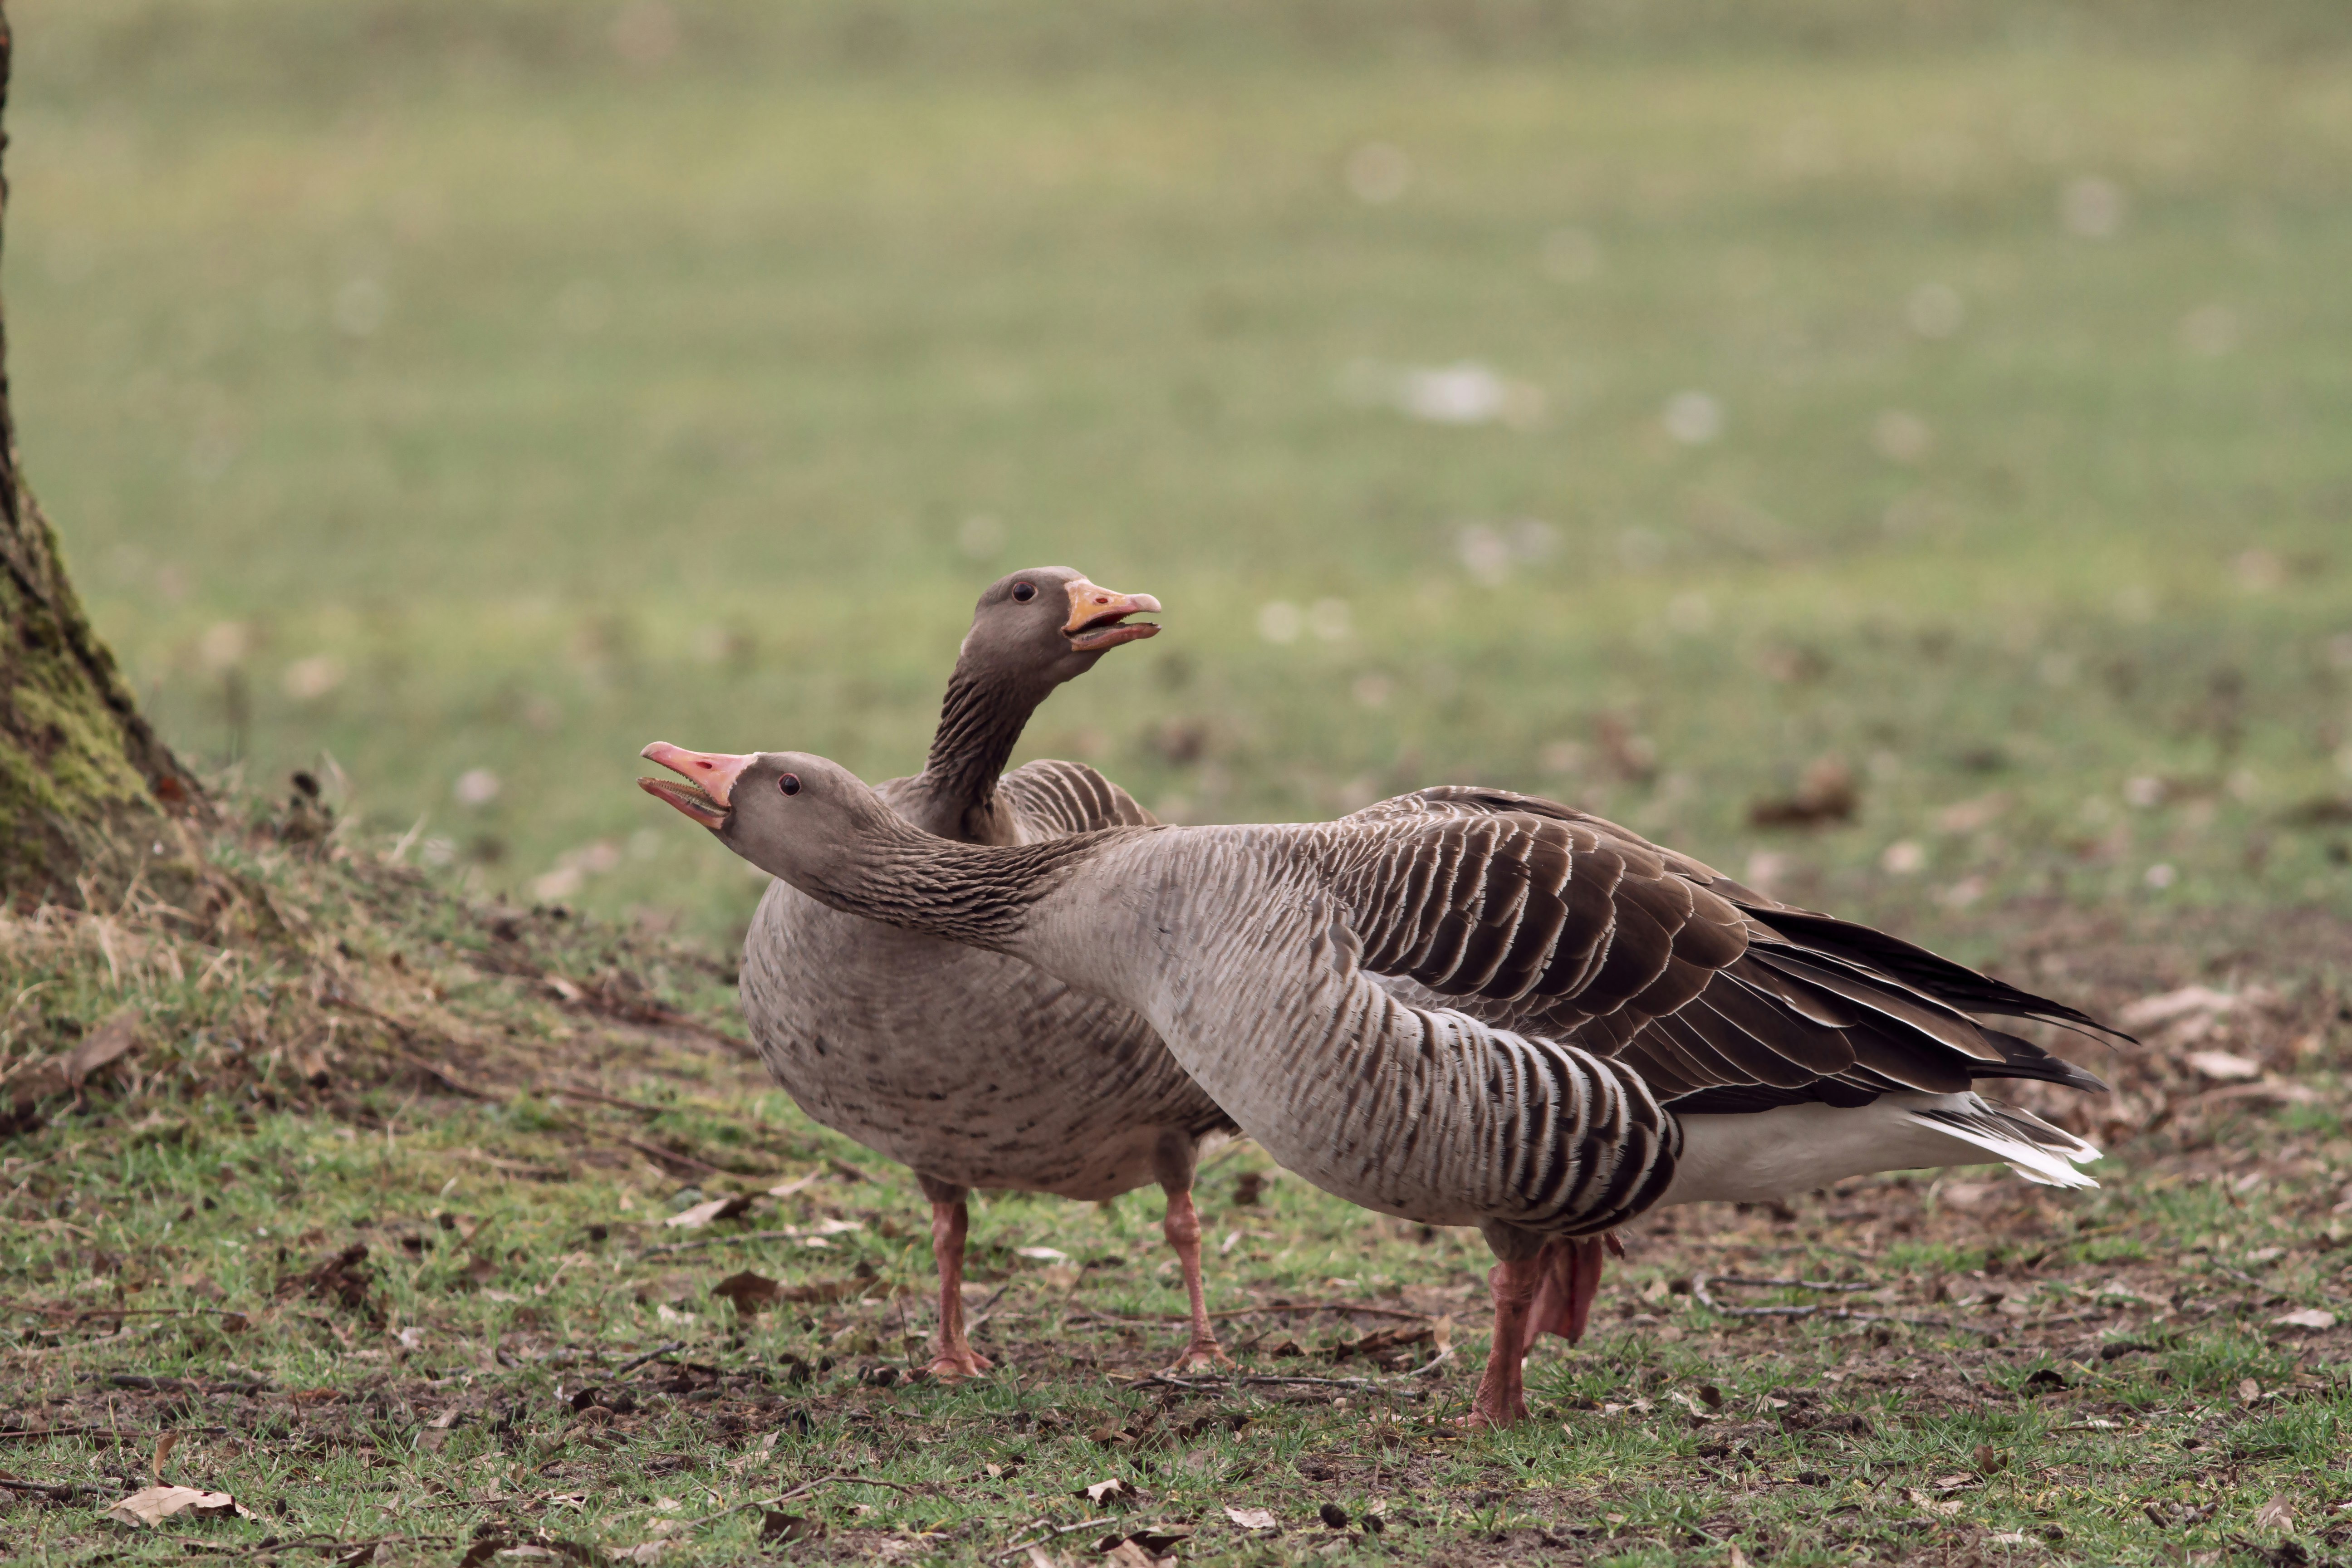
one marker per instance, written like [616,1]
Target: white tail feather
[2042,1155]
[1796,1148]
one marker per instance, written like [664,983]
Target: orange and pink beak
[710,781]
[1096,617]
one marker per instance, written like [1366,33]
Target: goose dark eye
[1024,592]
[790,783]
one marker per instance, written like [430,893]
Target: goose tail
[1793,1149]
[2037,1151]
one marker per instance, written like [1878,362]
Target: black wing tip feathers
[1954,984]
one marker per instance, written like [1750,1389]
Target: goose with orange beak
[974,1068]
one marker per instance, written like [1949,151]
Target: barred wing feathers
[1533,917]
[1054,799]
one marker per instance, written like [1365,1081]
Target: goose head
[1050,623]
[802,817]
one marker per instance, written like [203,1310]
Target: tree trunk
[84,783]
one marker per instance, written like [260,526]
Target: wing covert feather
[1531,915]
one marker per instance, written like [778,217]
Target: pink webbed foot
[1201,1355]
[961,1362]
[1482,1418]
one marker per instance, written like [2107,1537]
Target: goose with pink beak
[974,1068]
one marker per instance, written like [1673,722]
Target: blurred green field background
[1678,409]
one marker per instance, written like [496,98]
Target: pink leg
[1499,1400]
[1569,1278]
[949,1222]
[1183,1232]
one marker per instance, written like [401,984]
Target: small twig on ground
[597,1097]
[716,1241]
[64,1492]
[628,1367]
[175,1384]
[81,1315]
[28,1432]
[1793,1284]
[659,1154]
[1833,1314]
[988,1307]
[1246,1380]
[1054,1533]
[318,1543]
[1279,1309]
[1432,1364]
[800,1491]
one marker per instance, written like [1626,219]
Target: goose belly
[970,1067]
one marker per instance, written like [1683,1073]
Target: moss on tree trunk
[85,785]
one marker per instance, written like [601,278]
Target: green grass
[425,387]
[2102,1376]
[556,406]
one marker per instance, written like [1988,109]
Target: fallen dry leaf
[435,1432]
[1104,1491]
[1042,1254]
[2223,1067]
[2249,1391]
[156,1504]
[1127,1554]
[826,1227]
[778,1528]
[2189,1000]
[1158,1538]
[1737,1559]
[2313,1317]
[708,1212]
[649,1552]
[115,1038]
[1252,1518]
[2275,1514]
[752,1293]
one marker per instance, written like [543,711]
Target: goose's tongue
[710,780]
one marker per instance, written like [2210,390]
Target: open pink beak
[710,780]
[1099,618]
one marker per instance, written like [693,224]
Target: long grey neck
[980,723]
[978,895]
